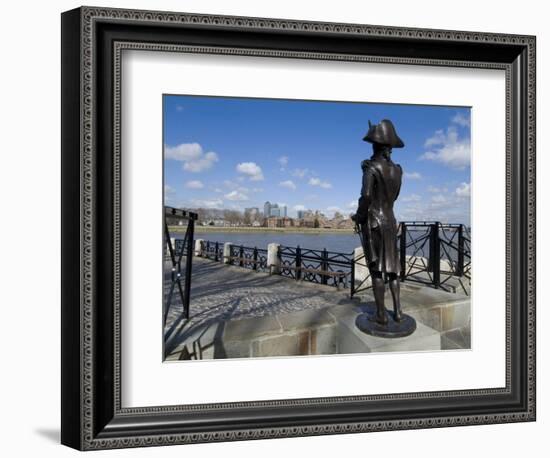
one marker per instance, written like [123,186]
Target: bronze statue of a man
[375,218]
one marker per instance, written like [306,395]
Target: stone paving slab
[252,328]
[238,312]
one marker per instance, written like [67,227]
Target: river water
[341,243]
[335,242]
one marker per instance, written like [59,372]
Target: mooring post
[227,249]
[199,247]
[361,274]
[274,258]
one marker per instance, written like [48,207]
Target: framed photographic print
[278,228]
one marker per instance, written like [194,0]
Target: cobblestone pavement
[222,295]
[220,292]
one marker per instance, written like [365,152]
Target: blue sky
[235,153]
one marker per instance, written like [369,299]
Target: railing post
[460,262]
[324,265]
[208,249]
[298,263]
[434,264]
[241,255]
[179,251]
[188,266]
[352,277]
[216,256]
[403,250]
[255,258]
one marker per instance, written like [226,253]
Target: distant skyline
[234,153]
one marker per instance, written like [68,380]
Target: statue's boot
[394,288]
[378,289]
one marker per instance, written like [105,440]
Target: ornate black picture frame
[92,42]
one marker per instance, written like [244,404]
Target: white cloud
[183,151]
[352,205]
[436,190]
[445,206]
[412,175]
[300,173]
[461,120]
[289,184]
[252,170]
[208,203]
[179,108]
[283,161]
[463,190]
[236,196]
[192,155]
[235,185]
[448,149]
[411,198]
[204,163]
[318,182]
[168,189]
[439,199]
[299,207]
[194,184]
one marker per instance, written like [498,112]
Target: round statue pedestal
[367,323]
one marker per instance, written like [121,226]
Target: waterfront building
[216,222]
[286,221]
[271,222]
[267,209]
[275,210]
[276,221]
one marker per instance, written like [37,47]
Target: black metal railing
[174,253]
[213,250]
[316,266]
[253,258]
[436,254]
[431,253]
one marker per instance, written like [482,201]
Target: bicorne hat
[383,134]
